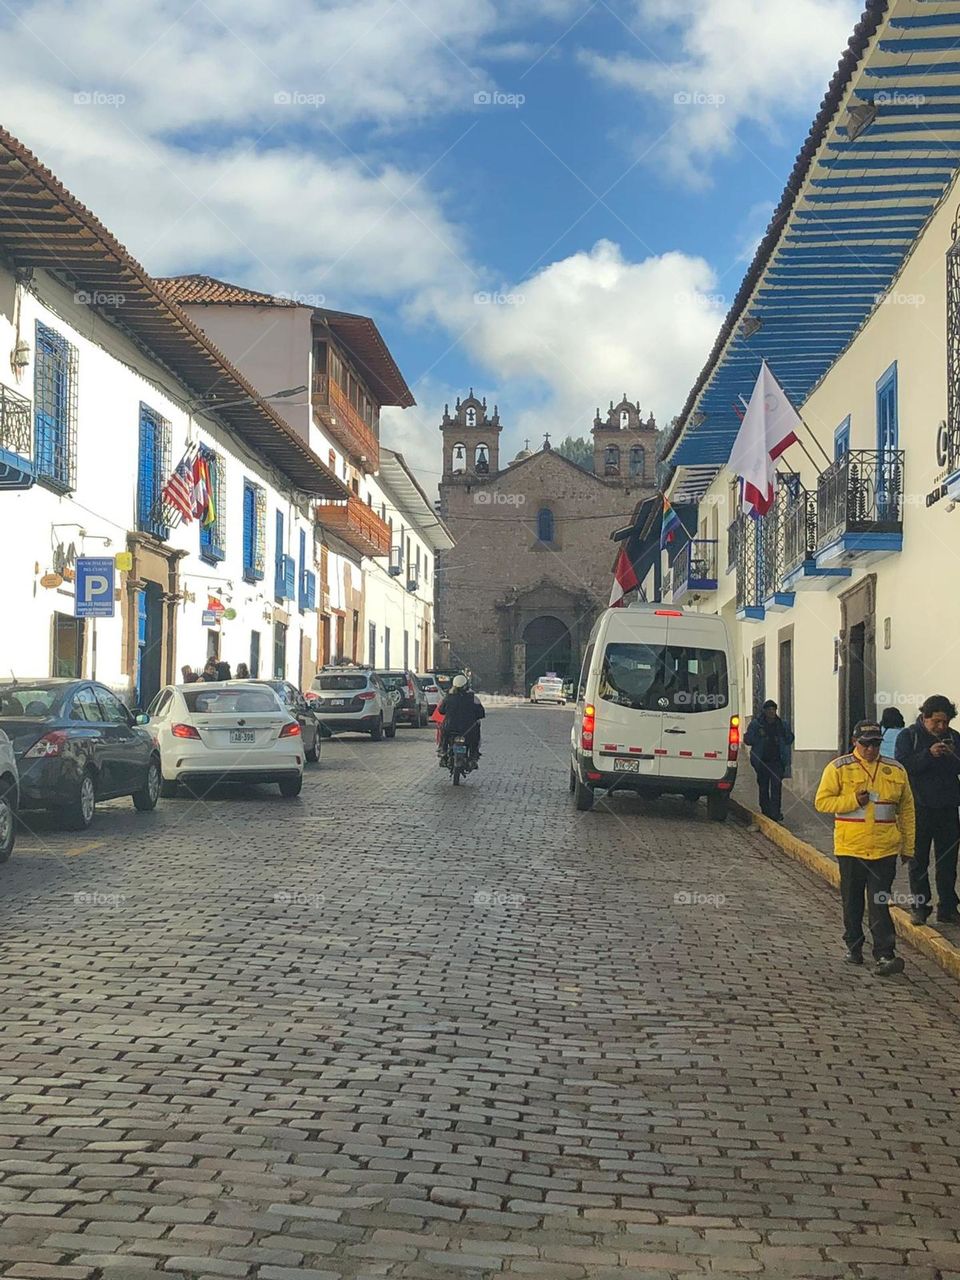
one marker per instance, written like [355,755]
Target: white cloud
[740,61]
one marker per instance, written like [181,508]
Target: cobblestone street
[397,1029]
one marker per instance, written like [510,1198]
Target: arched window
[544,525]
[459,459]
[471,417]
[481,460]
[624,419]
[637,460]
[611,460]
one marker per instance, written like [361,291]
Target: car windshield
[655,677]
[332,683]
[393,679]
[219,701]
[28,700]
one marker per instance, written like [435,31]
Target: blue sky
[577,235]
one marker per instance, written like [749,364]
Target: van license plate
[242,736]
[624,764]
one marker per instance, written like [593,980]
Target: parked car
[226,731]
[302,712]
[354,699]
[432,690]
[548,689]
[76,743]
[412,707]
[9,797]
[657,709]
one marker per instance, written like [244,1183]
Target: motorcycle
[459,760]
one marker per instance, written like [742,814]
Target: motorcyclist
[462,712]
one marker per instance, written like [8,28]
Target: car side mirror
[142,718]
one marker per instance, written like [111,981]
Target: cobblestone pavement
[397,1029]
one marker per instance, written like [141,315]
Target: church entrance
[548,648]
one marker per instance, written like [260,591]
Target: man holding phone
[929,750]
[873,821]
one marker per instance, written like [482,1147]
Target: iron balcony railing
[800,529]
[862,492]
[16,424]
[774,534]
[750,557]
[696,564]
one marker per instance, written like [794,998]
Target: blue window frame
[213,536]
[55,409]
[888,438]
[285,569]
[307,596]
[254,531]
[153,467]
[841,438]
[544,525]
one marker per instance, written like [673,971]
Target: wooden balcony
[338,416]
[356,524]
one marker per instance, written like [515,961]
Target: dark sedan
[76,743]
[302,712]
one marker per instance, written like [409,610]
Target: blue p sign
[95,587]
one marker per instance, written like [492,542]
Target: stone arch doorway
[548,648]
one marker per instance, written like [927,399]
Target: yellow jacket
[884,826]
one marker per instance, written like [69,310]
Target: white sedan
[548,689]
[225,732]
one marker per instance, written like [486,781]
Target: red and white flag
[177,493]
[768,428]
[624,579]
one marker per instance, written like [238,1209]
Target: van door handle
[674,731]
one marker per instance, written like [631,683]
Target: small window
[55,409]
[114,712]
[459,461]
[545,525]
[153,468]
[585,672]
[637,461]
[624,419]
[211,502]
[86,706]
[481,459]
[160,704]
[611,460]
[254,531]
[471,417]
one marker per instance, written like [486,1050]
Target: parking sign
[95,587]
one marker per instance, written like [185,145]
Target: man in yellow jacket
[873,821]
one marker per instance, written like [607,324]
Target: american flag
[177,493]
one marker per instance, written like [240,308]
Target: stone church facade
[533,561]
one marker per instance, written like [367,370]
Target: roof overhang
[396,476]
[43,226]
[879,159]
[361,338]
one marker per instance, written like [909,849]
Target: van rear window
[676,678]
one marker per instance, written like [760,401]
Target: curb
[922,937]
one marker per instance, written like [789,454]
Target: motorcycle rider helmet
[459,682]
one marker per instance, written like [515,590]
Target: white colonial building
[843,599]
[104,385]
[379,543]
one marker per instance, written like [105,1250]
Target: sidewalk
[807,836]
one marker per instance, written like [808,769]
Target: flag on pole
[203,507]
[670,526]
[624,579]
[768,428]
[177,494]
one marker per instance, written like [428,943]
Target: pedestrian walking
[891,722]
[873,822]
[929,750]
[769,739]
[210,671]
[243,671]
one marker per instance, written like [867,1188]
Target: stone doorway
[858,657]
[548,648]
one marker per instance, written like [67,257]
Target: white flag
[768,427]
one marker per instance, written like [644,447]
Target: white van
[657,708]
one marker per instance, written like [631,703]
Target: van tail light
[588,728]
[51,744]
[367,696]
[291,730]
[668,613]
[733,740]
[185,731]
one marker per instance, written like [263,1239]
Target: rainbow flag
[671,526]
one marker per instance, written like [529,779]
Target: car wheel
[291,787]
[78,815]
[582,796]
[168,788]
[718,806]
[8,824]
[573,780]
[376,733]
[392,731]
[313,755]
[146,799]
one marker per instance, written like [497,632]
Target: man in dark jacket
[929,750]
[769,739]
[462,713]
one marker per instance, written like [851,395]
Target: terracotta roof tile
[199,288]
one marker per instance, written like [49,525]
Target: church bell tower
[471,439]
